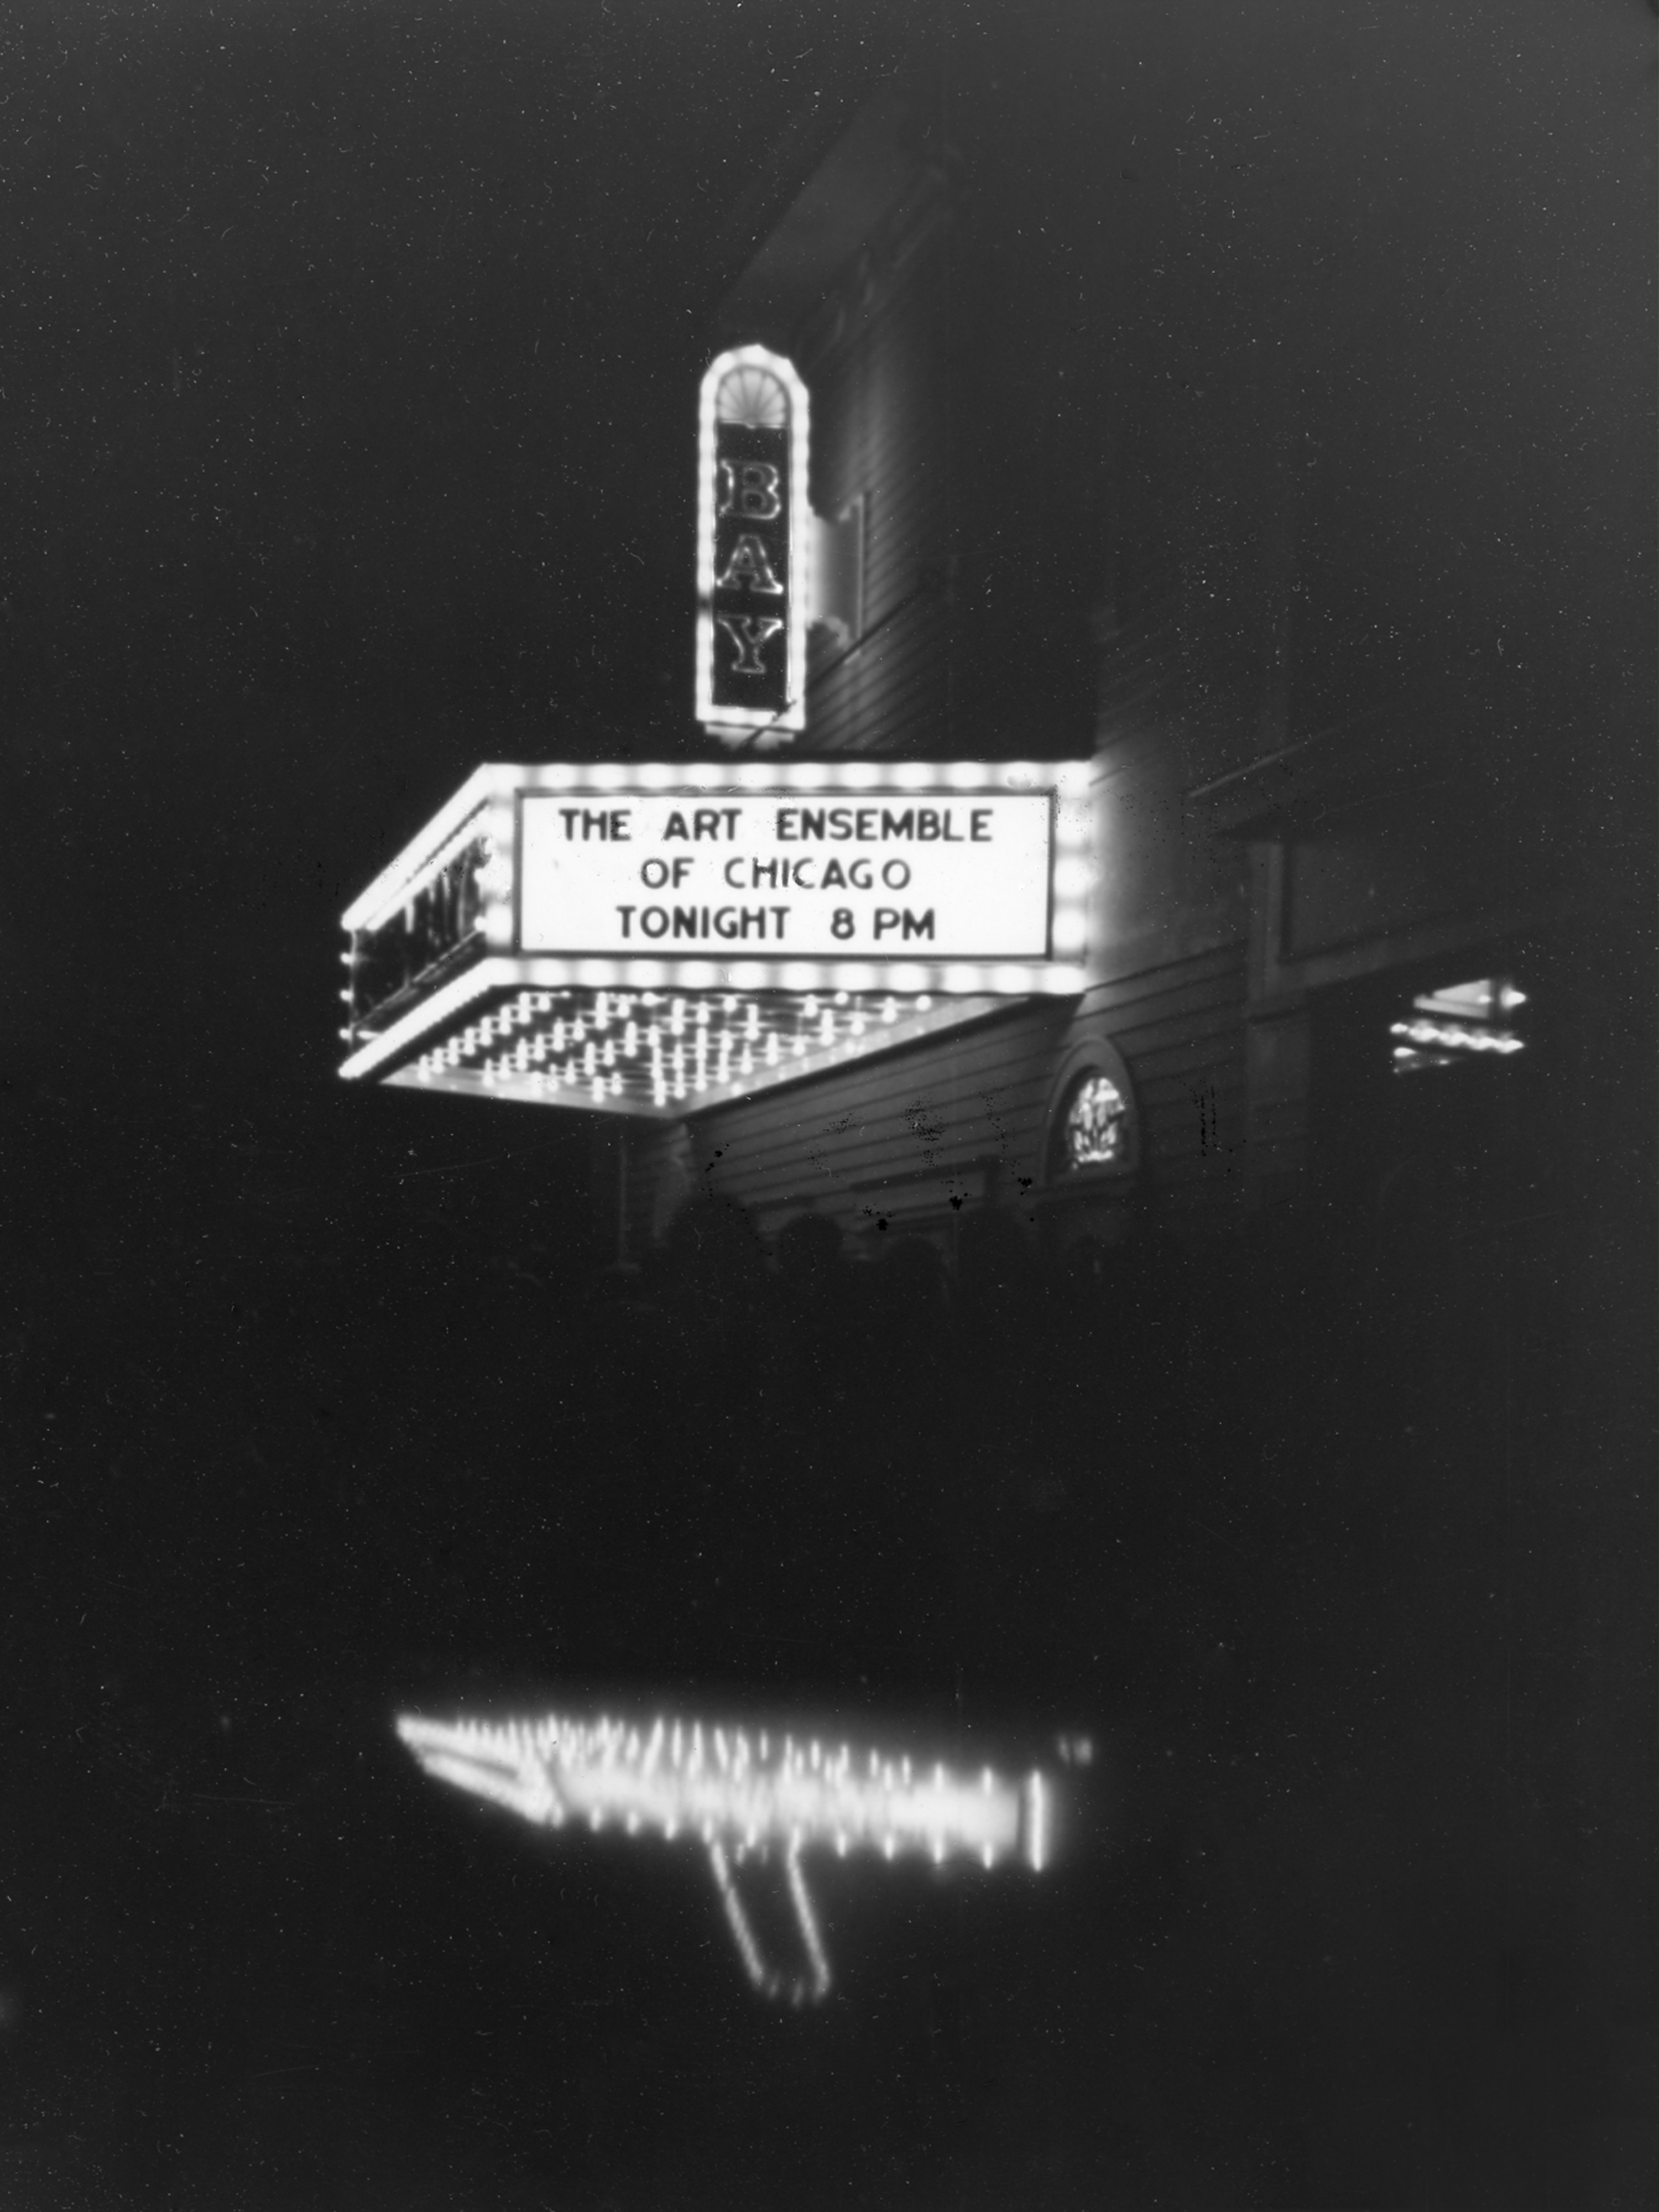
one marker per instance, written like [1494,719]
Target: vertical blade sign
[751,546]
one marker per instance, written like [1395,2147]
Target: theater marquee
[652,937]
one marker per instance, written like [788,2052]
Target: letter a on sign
[749,568]
[752,523]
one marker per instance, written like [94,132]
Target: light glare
[742,1798]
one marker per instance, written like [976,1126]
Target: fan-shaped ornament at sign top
[753,398]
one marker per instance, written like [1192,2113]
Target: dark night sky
[350,368]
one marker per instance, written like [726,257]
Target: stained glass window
[1096,1129]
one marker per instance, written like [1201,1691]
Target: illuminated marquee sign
[649,939]
[744,1793]
[828,877]
[754,545]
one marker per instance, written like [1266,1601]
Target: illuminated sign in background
[742,1792]
[649,939]
[754,544]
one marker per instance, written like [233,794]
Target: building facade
[1222,415]
[1234,457]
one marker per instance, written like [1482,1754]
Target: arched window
[1092,1120]
[1095,1133]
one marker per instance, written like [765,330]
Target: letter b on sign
[751,488]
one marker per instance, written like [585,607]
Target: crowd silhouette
[1251,1325]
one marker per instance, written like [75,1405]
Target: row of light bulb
[1459,1035]
[681,1046]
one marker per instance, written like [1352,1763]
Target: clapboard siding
[898,1135]
[915,1136]
[1181,1032]
[1182,986]
[873,359]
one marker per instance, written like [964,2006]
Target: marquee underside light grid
[663,1054]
